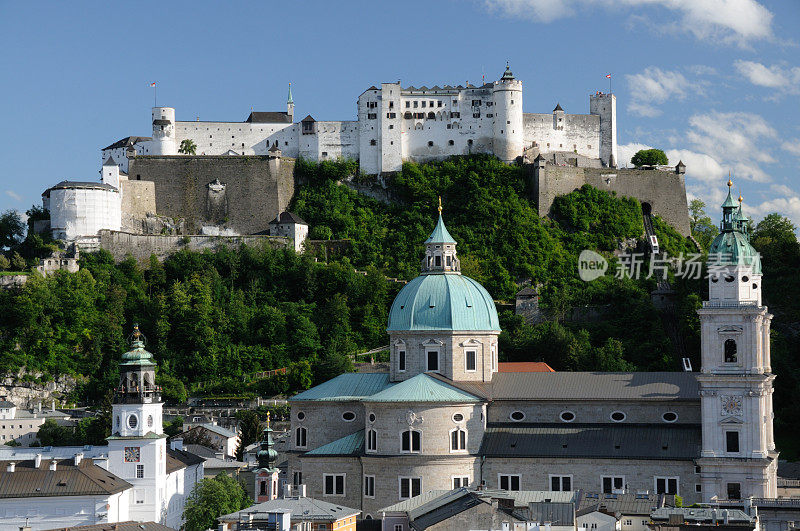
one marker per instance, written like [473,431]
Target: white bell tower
[738,457]
[137,446]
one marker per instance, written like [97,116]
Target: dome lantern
[440,250]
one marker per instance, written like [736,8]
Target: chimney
[78,458]
[176,443]
[53,465]
[302,490]
[53,407]
[11,466]
[287,490]
[37,461]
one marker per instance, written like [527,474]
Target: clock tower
[137,445]
[738,457]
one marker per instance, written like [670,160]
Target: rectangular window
[369,486]
[433,360]
[401,360]
[408,104]
[666,485]
[612,484]
[698,487]
[437,260]
[471,356]
[732,441]
[560,483]
[458,440]
[333,484]
[423,104]
[410,487]
[460,481]
[411,441]
[139,471]
[734,491]
[439,103]
[297,478]
[372,440]
[508,481]
[398,527]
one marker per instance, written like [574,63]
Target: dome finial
[730,182]
[440,205]
[268,419]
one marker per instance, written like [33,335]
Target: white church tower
[507,127]
[137,446]
[738,457]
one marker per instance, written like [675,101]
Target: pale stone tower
[738,457]
[290,104]
[110,172]
[508,131]
[442,321]
[266,477]
[164,142]
[605,106]
[137,446]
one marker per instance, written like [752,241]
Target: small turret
[440,250]
[110,172]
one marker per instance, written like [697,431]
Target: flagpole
[609,83]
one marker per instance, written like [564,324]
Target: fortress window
[439,103]
[455,115]
[430,144]
[489,103]
[391,105]
[476,103]
[324,153]
[431,104]
[469,141]
[411,441]
[373,142]
[408,104]
[450,142]
[408,115]
[416,103]
[450,127]
[476,115]
[433,360]
[730,351]
[489,115]
[734,491]
[423,104]
[431,116]
[589,146]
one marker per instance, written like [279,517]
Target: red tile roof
[524,366]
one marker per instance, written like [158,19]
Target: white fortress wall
[580,132]
[245,138]
[332,140]
[83,211]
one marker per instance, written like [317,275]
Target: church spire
[267,455]
[440,250]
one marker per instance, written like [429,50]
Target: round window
[133,421]
[150,421]
[618,416]
[517,416]
[714,279]
[300,415]
[567,416]
[745,279]
[458,417]
[729,278]
[348,416]
[669,416]
[372,417]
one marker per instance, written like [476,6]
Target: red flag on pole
[153,84]
[607,75]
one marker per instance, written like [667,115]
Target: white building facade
[395,124]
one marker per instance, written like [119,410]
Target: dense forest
[215,320]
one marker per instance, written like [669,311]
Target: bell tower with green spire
[290,104]
[738,457]
[266,477]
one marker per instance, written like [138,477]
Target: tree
[17,262]
[172,389]
[649,157]
[703,229]
[188,147]
[174,427]
[210,499]
[774,237]
[12,229]
[249,430]
[4,263]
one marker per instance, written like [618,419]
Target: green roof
[733,248]
[348,386]
[422,388]
[729,201]
[352,444]
[440,234]
[443,301]
[137,356]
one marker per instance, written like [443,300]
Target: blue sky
[713,82]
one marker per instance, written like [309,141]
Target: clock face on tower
[131,454]
[731,404]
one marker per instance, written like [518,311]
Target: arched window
[730,351]
[372,441]
[411,441]
[300,437]
[458,440]
[263,488]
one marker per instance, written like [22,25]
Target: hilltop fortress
[239,176]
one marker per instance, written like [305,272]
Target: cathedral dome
[443,302]
[732,244]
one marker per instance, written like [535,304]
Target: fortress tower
[605,106]
[508,128]
[164,142]
[738,457]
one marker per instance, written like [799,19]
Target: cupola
[440,250]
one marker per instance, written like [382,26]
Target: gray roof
[522,498]
[695,515]
[86,185]
[179,459]
[110,161]
[118,526]
[302,509]
[445,506]
[6,404]
[595,386]
[625,504]
[287,217]
[29,481]
[128,141]
[557,513]
[596,441]
[200,450]
[219,430]
[258,117]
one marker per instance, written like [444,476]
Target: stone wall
[138,200]
[25,394]
[141,246]
[637,411]
[240,193]
[665,192]
[13,281]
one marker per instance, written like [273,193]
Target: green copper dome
[440,234]
[443,302]
[137,356]
[732,245]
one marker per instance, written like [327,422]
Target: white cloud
[792,146]
[13,195]
[788,206]
[730,21]
[655,86]
[785,79]
[626,151]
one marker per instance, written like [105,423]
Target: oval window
[372,417]
[301,415]
[669,416]
[517,416]
[458,417]
[618,416]
[348,416]
[133,421]
[729,278]
[745,279]
[714,279]
[150,421]
[567,416]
